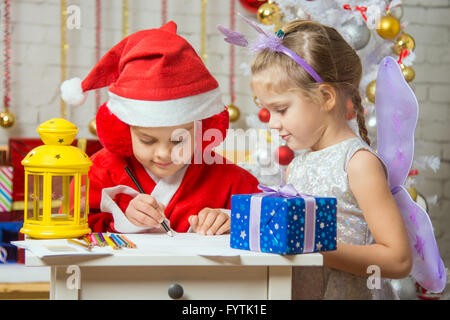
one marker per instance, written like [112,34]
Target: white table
[134,274]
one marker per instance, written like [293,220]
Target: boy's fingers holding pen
[150,207]
[142,214]
[140,219]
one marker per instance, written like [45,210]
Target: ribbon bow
[284,190]
[362,10]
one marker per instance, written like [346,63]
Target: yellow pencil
[108,240]
[88,241]
[80,244]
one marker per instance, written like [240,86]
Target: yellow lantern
[56,184]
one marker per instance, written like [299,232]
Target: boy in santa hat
[162,100]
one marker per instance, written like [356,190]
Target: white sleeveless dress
[323,173]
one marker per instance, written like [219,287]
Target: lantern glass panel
[63,197]
[35,197]
[83,199]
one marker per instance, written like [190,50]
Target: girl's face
[163,150]
[299,121]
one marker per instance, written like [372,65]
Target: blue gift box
[283,223]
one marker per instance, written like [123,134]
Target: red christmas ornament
[284,155]
[264,115]
[350,113]
[252,5]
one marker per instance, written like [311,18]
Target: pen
[163,223]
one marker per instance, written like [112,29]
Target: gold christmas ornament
[269,13]
[233,112]
[370,91]
[7,119]
[388,27]
[404,41]
[408,73]
[93,127]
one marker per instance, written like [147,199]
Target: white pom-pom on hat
[72,92]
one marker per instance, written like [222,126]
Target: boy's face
[163,150]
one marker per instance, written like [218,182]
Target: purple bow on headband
[265,41]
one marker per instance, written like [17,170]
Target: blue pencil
[119,241]
[113,239]
[127,244]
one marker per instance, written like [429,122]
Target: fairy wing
[428,267]
[397,113]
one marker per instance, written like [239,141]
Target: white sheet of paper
[185,244]
[58,247]
[146,243]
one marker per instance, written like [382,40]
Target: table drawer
[197,282]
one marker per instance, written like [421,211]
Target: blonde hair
[326,51]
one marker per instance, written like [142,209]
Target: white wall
[35,70]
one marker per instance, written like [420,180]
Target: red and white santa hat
[155,79]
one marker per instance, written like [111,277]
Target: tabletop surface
[161,250]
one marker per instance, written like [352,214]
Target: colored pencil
[119,241]
[124,241]
[99,241]
[108,240]
[88,240]
[93,239]
[100,235]
[129,242]
[114,241]
[80,244]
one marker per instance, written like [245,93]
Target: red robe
[202,186]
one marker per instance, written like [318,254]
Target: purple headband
[265,41]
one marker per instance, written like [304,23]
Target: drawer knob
[176,291]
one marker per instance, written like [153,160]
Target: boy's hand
[145,211]
[210,222]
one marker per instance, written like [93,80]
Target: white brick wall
[35,72]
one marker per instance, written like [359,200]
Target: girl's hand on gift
[145,211]
[210,222]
